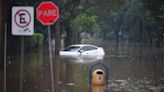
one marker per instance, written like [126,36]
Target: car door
[91,50]
[88,50]
[83,50]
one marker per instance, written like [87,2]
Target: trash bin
[98,89]
[98,78]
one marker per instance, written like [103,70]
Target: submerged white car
[82,50]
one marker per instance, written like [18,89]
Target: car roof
[81,45]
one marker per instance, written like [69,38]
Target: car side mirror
[81,51]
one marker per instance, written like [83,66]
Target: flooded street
[126,74]
[52,45]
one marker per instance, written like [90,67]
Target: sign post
[5,63]
[47,13]
[22,25]
[50,57]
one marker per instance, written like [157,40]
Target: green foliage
[156,8]
[106,7]
[36,40]
[85,23]
[111,34]
[161,16]
[104,10]
[134,19]
[87,16]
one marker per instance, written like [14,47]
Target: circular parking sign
[22,18]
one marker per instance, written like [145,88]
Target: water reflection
[57,75]
[74,77]
[83,59]
[98,89]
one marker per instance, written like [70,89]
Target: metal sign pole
[50,57]
[22,63]
[5,47]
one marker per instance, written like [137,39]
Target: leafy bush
[36,40]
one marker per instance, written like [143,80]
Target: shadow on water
[128,73]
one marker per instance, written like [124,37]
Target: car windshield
[72,48]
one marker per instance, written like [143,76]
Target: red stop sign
[47,13]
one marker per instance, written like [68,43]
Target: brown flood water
[127,73]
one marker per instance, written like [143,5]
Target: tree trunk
[141,38]
[159,40]
[117,42]
[104,36]
[68,34]
[57,39]
[150,42]
[76,37]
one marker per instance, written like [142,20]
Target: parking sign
[22,20]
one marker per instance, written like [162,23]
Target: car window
[87,48]
[91,48]
[72,48]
